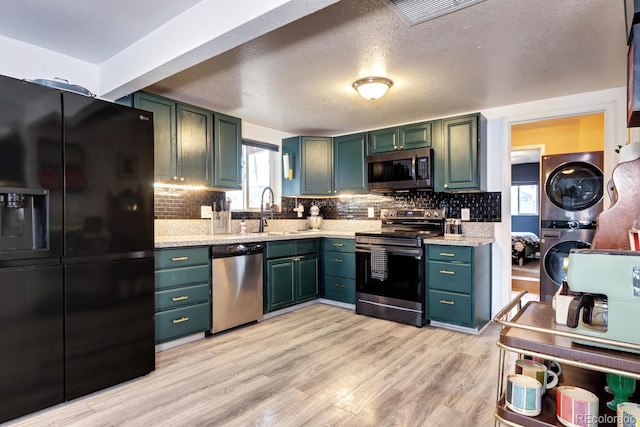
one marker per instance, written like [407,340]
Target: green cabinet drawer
[307,246]
[340,264]
[172,324]
[450,253]
[449,276]
[289,248]
[182,276]
[181,257]
[450,307]
[177,297]
[339,245]
[282,249]
[340,289]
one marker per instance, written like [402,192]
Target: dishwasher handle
[236,249]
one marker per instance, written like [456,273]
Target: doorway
[529,142]
[525,220]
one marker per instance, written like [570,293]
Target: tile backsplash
[484,207]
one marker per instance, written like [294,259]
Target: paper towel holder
[286,167]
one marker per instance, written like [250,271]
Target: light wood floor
[317,366]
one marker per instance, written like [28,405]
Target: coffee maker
[607,301]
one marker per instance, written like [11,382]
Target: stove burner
[412,225]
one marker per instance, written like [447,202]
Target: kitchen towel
[379,263]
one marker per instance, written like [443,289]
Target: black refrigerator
[76,245]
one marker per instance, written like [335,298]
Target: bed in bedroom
[524,245]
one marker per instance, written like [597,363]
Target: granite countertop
[223,239]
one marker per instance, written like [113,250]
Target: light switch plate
[205,211]
[465,214]
[370,212]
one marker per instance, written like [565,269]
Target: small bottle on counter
[243,227]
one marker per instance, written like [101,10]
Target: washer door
[554,259]
[575,186]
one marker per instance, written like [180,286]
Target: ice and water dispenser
[23,219]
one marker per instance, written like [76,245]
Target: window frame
[518,185]
[273,174]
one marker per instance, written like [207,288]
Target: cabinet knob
[175,178]
[446,186]
[182,178]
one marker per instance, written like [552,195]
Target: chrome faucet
[263,221]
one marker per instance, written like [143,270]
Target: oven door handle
[412,252]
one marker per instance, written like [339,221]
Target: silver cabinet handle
[447,272]
[444,301]
[181,298]
[338,244]
[446,254]
[338,260]
[338,285]
[180,258]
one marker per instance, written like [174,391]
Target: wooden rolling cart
[533,332]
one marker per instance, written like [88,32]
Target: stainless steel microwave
[400,170]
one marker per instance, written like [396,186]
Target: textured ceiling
[498,52]
[298,77]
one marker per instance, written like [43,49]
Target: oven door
[399,297]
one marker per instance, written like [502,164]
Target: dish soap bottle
[243,227]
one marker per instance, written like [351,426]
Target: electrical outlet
[370,212]
[465,214]
[205,211]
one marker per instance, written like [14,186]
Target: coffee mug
[546,377]
[628,415]
[576,406]
[524,395]
[551,365]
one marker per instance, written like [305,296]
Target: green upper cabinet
[182,139]
[416,135]
[227,152]
[383,140]
[462,154]
[311,159]
[164,127]
[317,166]
[194,144]
[349,164]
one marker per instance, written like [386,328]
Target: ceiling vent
[416,11]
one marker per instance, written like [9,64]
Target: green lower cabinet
[291,270]
[281,279]
[340,289]
[450,307]
[183,321]
[183,292]
[339,269]
[307,285]
[458,284]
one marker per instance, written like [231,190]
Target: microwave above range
[400,170]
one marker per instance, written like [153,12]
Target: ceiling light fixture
[372,87]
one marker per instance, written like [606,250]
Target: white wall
[499,120]
[25,61]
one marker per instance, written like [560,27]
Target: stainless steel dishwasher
[236,272]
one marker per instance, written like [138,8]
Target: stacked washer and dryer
[572,199]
